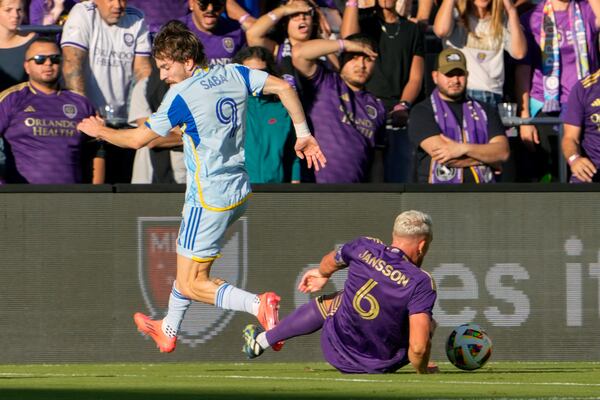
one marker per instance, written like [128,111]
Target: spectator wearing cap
[458,139]
[106,47]
[347,120]
[221,37]
[39,121]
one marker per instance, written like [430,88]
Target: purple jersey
[40,130]
[583,110]
[222,43]
[158,13]
[347,125]
[532,21]
[369,331]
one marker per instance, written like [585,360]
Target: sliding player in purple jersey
[382,320]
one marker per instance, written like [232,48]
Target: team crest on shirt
[371,111]
[445,174]
[228,44]
[157,241]
[128,39]
[70,110]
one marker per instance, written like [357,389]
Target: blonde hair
[413,223]
[466,8]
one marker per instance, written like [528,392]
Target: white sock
[262,340]
[229,297]
[178,305]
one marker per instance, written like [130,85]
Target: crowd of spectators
[373,76]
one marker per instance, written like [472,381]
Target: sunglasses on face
[217,4]
[41,59]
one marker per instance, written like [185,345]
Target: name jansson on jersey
[386,269]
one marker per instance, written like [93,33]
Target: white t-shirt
[111,51]
[485,57]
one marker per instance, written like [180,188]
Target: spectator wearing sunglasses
[221,37]
[296,21]
[39,121]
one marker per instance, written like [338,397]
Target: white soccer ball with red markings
[468,347]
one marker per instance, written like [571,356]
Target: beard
[453,95]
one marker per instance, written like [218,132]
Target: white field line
[294,378]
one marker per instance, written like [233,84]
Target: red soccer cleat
[268,314]
[153,328]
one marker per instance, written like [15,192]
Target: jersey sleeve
[253,79]
[77,30]
[170,114]
[574,113]
[423,297]
[5,111]
[142,43]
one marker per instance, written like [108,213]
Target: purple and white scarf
[472,130]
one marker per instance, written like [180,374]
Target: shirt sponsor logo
[228,44]
[29,109]
[128,39]
[70,110]
[596,103]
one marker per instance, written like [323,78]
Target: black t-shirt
[397,44]
[422,125]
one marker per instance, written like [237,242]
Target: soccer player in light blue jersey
[209,105]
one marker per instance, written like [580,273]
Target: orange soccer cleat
[268,314]
[153,328]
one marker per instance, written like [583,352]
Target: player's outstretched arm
[315,279]
[127,138]
[306,145]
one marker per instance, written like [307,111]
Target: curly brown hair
[176,42]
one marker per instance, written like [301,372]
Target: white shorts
[201,232]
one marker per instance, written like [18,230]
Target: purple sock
[303,320]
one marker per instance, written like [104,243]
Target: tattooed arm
[74,60]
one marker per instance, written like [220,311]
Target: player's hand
[359,47]
[529,136]
[295,7]
[432,368]
[312,281]
[308,147]
[91,126]
[583,169]
[449,150]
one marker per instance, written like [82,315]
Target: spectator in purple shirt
[221,37]
[159,12]
[382,320]
[562,42]
[346,119]
[581,135]
[39,121]
[49,12]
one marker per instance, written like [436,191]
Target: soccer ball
[468,347]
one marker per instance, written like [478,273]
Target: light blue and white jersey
[210,109]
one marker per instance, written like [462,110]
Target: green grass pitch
[260,380]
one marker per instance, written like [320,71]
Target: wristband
[341,44]
[351,3]
[302,130]
[572,159]
[402,105]
[273,16]
[243,18]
